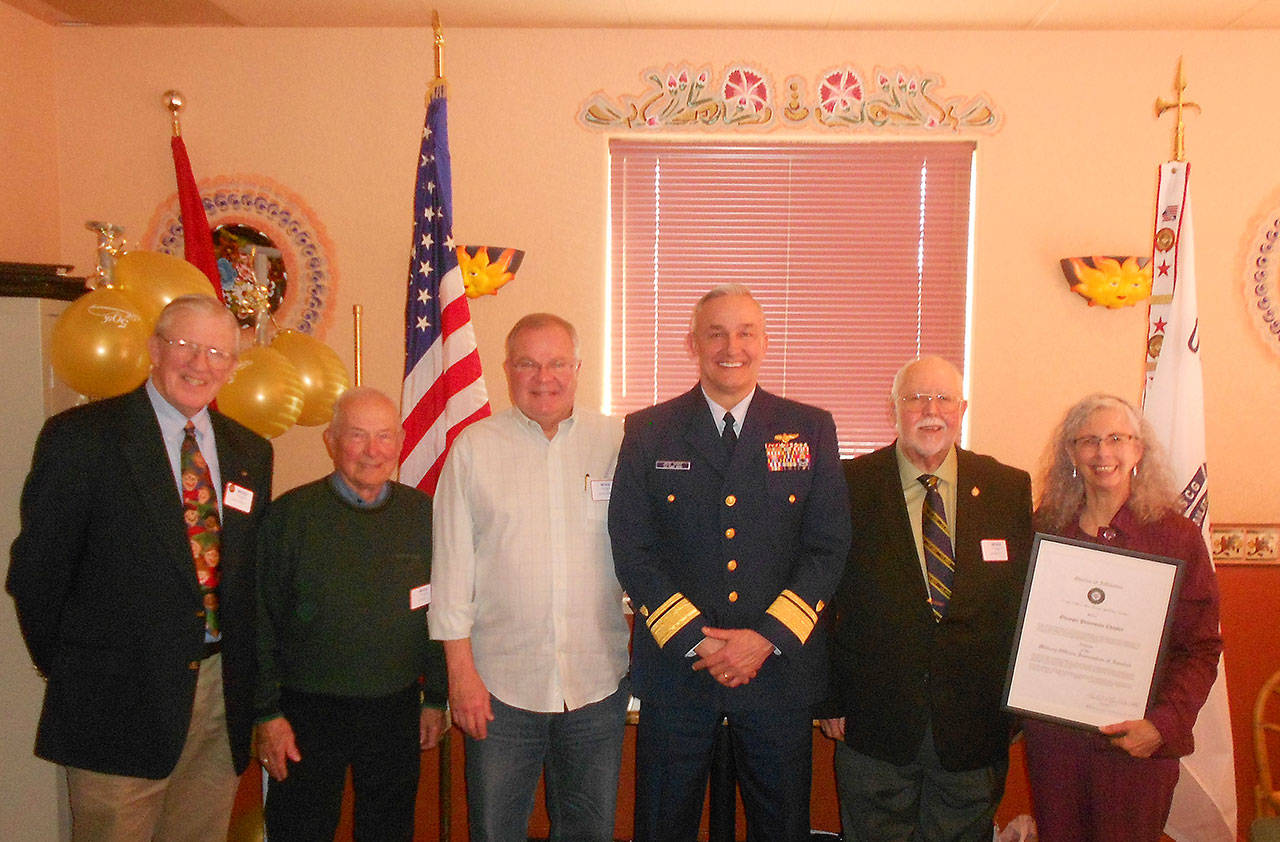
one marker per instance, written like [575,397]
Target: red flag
[197,240]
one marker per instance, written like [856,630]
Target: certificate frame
[1092,632]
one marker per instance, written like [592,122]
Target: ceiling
[679,14]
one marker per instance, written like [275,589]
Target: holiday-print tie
[200,513]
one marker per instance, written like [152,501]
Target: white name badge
[995,549]
[600,489]
[237,497]
[419,596]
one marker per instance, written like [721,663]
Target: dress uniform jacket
[894,669]
[106,589]
[756,540]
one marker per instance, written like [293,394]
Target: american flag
[443,385]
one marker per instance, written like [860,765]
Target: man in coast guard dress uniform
[730,525]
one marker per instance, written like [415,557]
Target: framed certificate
[1091,632]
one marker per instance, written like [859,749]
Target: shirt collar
[739,411]
[349,494]
[172,419]
[910,473]
[564,427]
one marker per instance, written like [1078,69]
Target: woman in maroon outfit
[1105,480]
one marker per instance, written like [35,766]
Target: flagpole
[357,313]
[1179,130]
[174,102]
[437,43]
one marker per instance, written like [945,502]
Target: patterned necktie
[939,559]
[200,514]
[727,435]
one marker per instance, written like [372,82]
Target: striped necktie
[939,558]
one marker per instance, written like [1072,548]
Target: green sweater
[334,586]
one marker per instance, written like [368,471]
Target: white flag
[1204,803]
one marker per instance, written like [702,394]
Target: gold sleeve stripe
[794,613]
[670,617]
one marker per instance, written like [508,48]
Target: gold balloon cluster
[99,348]
[99,343]
[294,380]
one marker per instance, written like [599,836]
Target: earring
[1134,472]
[1073,470]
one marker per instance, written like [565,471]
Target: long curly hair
[1061,495]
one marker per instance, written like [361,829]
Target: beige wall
[30,807]
[335,115]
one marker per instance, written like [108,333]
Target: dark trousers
[772,759]
[377,738]
[918,802]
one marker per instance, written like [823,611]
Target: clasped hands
[732,656]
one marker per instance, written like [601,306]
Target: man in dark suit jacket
[730,526]
[142,655]
[917,673]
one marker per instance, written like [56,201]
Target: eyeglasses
[187,351]
[556,367]
[920,401]
[1095,442]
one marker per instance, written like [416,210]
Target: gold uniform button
[791,499]
[733,596]
[200,615]
[671,498]
[732,565]
[194,666]
[820,606]
[730,532]
[644,611]
[730,500]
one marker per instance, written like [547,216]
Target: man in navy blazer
[729,522]
[149,711]
[923,746]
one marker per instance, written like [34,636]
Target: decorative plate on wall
[270,236]
[1262,273]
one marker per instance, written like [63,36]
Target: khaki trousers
[193,804]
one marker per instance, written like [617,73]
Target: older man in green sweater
[348,676]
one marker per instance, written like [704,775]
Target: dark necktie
[200,514]
[939,558]
[728,436]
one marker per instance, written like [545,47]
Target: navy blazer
[893,668]
[757,541]
[106,592]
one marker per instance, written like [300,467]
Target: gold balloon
[154,279]
[99,344]
[264,393]
[323,375]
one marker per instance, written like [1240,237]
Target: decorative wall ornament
[310,275]
[1262,273]
[1112,282]
[1245,543]
[681,96]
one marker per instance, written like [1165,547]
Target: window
[857,252]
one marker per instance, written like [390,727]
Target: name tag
[419,596]
[600,489]
[237,497]
[995,549]
[671,465]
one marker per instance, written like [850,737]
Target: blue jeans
[582,752]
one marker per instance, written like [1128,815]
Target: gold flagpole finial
[1179,132]
[438,41]
[174,102]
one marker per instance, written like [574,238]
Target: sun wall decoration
[743,96]
[485,269]
[1111,282]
